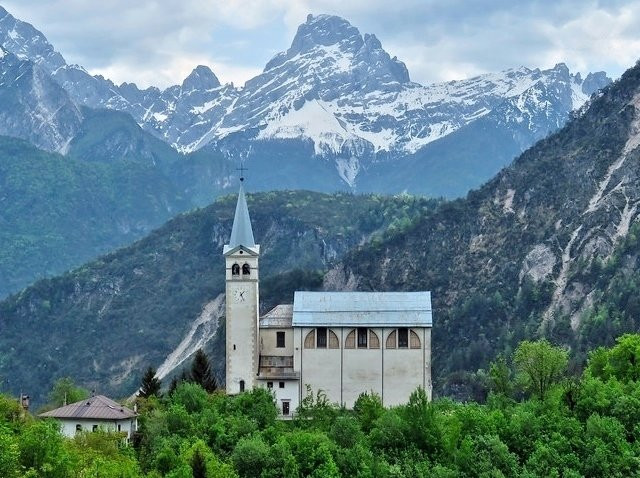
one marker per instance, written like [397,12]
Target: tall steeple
[241,232]
[241,255]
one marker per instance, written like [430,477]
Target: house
[342,343]
[94,413]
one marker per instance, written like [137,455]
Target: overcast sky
[158,42]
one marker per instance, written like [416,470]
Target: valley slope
[547,247]
[106,321]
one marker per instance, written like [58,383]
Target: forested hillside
[106,321]
[548,247]
[58,212]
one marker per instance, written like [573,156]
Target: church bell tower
[242,300]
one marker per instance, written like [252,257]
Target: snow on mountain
[334,87]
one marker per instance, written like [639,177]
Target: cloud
[158,43]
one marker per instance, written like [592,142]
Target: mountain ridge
[340,91]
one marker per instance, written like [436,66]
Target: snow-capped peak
[201,78]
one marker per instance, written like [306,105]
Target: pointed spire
[241,233]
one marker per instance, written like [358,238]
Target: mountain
[156,300]
[58,212]
[334,111]
[547,247]
[33,106]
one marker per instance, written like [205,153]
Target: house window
[280,340]
[95,428]
[78,428]
[241,385]
[362,338]
[246,270]
[321,338]
[269,385]
[403,338]
[235,270]
[285,408]
[119,427]
[281,384]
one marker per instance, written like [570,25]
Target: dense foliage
[58,212]
[584,426]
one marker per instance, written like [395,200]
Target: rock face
[549,246]
[337,97]
[34,107]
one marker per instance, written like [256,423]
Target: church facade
[340,343]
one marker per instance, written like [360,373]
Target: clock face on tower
[240,295]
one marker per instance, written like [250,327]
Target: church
[340,343]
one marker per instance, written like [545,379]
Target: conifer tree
[201,372]
[198,465]
[150,385]
[173,385]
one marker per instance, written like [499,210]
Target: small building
[95,413]
[340,343]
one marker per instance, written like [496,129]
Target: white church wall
[320,368]
[406,369]
[361,372]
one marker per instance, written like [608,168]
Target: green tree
[201,372]
[621,361]
[421,418]
[540,364]
[150,384]
[64,390]
[198,465]
[368,408]
[500,375]
[43,451]
[9,453]
[250,457]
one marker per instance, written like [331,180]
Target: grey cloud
[157,41]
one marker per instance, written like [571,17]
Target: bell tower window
[246,270]
[235,270]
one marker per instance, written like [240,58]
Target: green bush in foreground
[585,426]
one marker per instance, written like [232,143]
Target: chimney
[24,401]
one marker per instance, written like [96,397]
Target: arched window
[391,340]
[350,341]
[403,338]
[246,270]
[374,341]
[321,338]
[362,338]
[241,385]
[235,270]
[310,340]
[333,340]
[414,341]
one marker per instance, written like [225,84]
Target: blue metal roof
[372,309]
